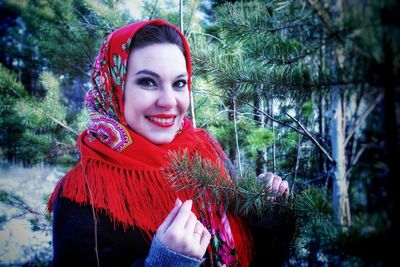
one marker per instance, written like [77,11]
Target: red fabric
[131,186]
[130,183]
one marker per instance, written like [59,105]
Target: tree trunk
[340,195]
[273,131]
[320,129]
[181,15]
[340,187]
[296,166]
[237,138]
[259,119]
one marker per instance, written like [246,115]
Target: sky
[134,7]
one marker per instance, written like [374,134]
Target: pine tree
[295,54]
[58,36]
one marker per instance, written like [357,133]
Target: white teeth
[162,120]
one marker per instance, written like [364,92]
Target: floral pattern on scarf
[106,122]
[222,245]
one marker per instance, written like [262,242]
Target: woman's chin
[161,139]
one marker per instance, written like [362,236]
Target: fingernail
[177,201]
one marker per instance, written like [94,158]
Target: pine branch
[17,202]
[154,10]
[44,113]
[307,133]
[310,209]
[259,110]
[245,196]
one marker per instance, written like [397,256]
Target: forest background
[309,90]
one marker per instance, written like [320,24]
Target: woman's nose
[166,98]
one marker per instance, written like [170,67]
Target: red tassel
[134,197]
[126,195]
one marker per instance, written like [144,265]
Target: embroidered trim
[109,132]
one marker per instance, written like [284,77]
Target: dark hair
[157,34]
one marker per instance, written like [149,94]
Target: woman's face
[156,93]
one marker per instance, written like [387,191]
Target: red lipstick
[162,120]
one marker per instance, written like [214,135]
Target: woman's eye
[180,84]
[146,82]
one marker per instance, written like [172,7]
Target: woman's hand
[182,232]
[275,185]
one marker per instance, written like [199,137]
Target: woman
[116,207]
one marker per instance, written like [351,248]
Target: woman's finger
[184,212]
[205,239]
[191,223]
[198,231]
[275,184]
[266,177]
[170,217]
[261,177]
[283,188]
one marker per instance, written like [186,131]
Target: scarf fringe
[142,198]
[126,196]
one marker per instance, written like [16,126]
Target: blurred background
[309,90]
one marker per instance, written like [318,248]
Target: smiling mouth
[164,121]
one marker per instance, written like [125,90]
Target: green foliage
[10,87]
[108,14]
[254,196]
[247,195]
[313,201]
[169,11]
[223,131]
[61,38]
[41,142]
[33,128]
[258,140]
[318,234]
[310,210]
[80,121]
[11,128]
[54,41]
[315,225]
[36,113]
[44,122]
[274,58]
[307,109]
[289,140]
[52,103]
[254,53]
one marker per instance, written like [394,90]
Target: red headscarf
[123,174]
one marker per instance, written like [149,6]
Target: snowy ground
[25,232]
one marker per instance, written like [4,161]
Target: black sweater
[74,239]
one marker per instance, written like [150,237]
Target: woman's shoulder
[70,178]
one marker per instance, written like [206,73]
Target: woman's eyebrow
[148,72]
[183,75]
[151,73]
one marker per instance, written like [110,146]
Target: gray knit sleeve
[160,255]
